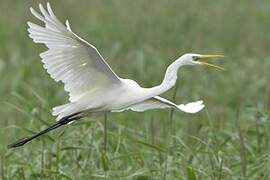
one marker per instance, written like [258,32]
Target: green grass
[228,140]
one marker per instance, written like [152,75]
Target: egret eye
[195,58]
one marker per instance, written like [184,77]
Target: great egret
[92,85]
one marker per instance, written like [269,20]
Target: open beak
[202,59]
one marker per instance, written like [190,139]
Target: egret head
[199,59]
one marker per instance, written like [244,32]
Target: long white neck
[169,78]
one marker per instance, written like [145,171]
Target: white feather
[70,59]
[92,85]
[158,102]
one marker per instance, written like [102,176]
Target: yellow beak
[203,58]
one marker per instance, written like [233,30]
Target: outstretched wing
[69,58]
[158,102]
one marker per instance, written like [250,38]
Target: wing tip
[68,25]
[48,5]
[193,107]
[30,24]
[31,10]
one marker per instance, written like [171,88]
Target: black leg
[55,125]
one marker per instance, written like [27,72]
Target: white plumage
[91,83]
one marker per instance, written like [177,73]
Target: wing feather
[69,58]
[158,102]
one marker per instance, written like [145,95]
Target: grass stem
[242,143]
[105,133]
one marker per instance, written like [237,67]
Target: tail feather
[58,109]
[67,110]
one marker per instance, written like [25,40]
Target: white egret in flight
[92,85]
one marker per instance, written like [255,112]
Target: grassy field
[230,139]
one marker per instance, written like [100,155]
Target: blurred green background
[139,39]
